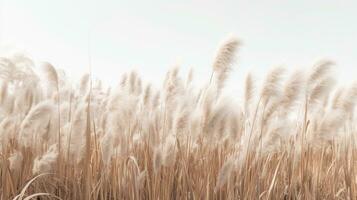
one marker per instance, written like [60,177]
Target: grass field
[292,137]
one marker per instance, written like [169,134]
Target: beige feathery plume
[189,77]
[214,121]
[132,81]
[84,83]
[271,84]
[52,77]
[38,114]
[206,102]
[173,87]
[123,80]
[16,161]
[224,59]
[42,109]
[174,72]
[140,179]
[171,74]
[45,163]
[7,69]
[169,151]
[248,92]
[170,91]
[271,109]
[181,120]
[77,143]
[155,102]
[292,89]
[274,135]
[147,95]
[3,91]
[50,73]
[225,54]
[138,86]
[337,98]
[328,125]
[8,128]
[224,173]
[321,88]
[350,99]
[320,70]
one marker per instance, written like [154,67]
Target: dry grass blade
[22,193]
[41,194]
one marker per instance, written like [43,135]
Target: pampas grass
[224,59]
[15,161]
[292,139]
[45,163]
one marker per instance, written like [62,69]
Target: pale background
[152,36]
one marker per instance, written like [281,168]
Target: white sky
[152,36]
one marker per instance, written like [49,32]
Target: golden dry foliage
[292,138]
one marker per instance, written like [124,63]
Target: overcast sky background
[152,36]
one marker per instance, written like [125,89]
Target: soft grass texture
[291,138]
